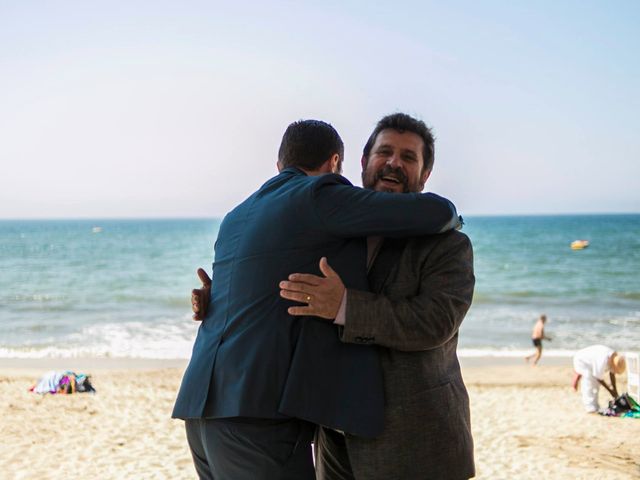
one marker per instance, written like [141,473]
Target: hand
[612,390]
[322,295]
[200,296]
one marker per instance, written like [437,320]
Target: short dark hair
[308,144]
[401,122]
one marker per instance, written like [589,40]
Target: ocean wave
[162,340]
[144,298]
[628,295]
[581,300]
[171,350]
[510,353]
[488,330]
[35,297]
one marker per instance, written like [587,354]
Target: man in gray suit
[421,289]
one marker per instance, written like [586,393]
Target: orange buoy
[579,244]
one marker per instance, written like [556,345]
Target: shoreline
[84,364]
[130,363]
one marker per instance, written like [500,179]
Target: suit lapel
[387,259]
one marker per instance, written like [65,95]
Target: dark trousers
[332,458]
[251,448]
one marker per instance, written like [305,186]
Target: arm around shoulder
[349,211]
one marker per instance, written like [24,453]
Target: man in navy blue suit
[259,380]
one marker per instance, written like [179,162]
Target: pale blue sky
[169,109]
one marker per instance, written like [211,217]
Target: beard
[371,179]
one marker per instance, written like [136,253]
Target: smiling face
[395,163]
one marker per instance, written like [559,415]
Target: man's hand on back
[200,296]
[323,295]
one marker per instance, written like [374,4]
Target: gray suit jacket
[422,290]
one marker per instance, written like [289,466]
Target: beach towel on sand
[622,406]
[63,382]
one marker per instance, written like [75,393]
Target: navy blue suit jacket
[250,357]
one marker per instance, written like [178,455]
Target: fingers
[295,296]
[196,304]
[308,311]
[300,311]
[204,278]
[195,300]
[326,270]
[305,278]
[296,287]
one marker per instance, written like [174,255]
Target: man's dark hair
[307,144]
[401,122]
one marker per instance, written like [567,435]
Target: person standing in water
[537,335]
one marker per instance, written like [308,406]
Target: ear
[334,162]
[423,178]
[279,166]
[329,166]
[363,162]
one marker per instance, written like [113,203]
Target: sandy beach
[527,423]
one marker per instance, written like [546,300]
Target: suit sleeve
[424,321]
[347,211]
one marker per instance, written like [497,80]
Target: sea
[121,288]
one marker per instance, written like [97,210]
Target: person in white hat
[590,365]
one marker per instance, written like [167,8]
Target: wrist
[340,317]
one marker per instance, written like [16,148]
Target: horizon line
[200,217]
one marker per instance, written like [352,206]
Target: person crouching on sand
[537,335]
[591,364]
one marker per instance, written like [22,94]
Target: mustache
[392,172]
